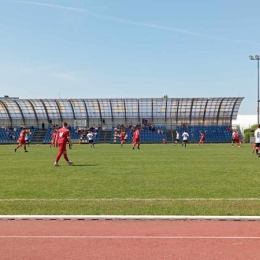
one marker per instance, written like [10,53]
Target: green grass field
[214,179]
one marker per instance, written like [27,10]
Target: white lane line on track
[132,237]
[136,199]
[127,217]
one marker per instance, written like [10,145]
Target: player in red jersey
[202,138]
[62,137]
[122,137]
[236,138]
[136,138]
[21,140]
[53,138]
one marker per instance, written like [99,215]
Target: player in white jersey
[185,136]
[90,137]
[27,139]
[177,138]
[257,139]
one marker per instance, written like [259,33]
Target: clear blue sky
[130,49]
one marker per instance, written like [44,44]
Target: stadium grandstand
[159,118]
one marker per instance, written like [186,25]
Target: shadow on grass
[81,165]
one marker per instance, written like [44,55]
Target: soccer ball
[37,144]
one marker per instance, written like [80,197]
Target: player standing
[257,140]
[122,137]
[21,140]
[53,138]
[62,137]
[136,138]
[177,138]
[90,137]
[185,136]
[202,138]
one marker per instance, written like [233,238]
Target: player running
[254,147]
[185,136]
[202,138]
[122,137]
[90,137]
[62,137]
[136,138]
[21,140]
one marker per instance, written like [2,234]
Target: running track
[128,239]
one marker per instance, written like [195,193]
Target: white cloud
[63,76]
[125,21]
[24,69]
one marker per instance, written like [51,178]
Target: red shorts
[136,140]
[122,139]
[62,147]
[22,141]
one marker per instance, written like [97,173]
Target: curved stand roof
[172,110]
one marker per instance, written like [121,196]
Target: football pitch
[158,179]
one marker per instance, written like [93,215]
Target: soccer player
[53,138]
[257,140]
[90,137]
[233,138]
[62,137]
[254,147]
[185,136]
[122,137]
[202,138]
[236,138]
[136,138]
[21,140]
[27,139]
[177,138]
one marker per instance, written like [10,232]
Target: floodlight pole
[257,59]
[258,91]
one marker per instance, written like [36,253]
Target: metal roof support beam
[86,112]
[20,111]
[45,110]
[73,112]
[191,110]
[125,109]
[219,110]
[61,119]
[177,113]
[8,113]
[165,117]
[152,109]
[37,120]
[138,105]
[231,116]
[101,120]
[205,109]
[111,110]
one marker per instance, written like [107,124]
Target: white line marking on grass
[131,237]
[135,199]
[128,217]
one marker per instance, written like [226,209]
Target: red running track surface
[72,239]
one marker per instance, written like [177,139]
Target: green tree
[165,96]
